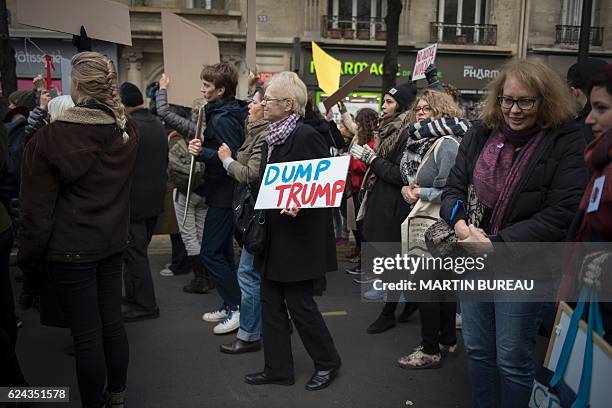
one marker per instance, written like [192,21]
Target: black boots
[202,282]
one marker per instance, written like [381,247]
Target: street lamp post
[585,30]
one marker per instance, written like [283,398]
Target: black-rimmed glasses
[523,103]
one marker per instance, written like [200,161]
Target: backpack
[178,167]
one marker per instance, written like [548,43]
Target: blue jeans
[218,254]
[499,340]
[250,304]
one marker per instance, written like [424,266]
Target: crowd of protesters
[88,178]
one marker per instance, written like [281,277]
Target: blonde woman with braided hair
[75,201]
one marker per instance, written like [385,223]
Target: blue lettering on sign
[287,178]
[270,177]
[321,167]
[304,172]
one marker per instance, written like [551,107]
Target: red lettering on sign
[281,190]
[293,195]
[322,191]
[338,188]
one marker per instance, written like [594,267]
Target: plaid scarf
[280,131]
[421,136]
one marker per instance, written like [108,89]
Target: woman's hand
[292,212]
[44,99]
[164,81]
[411,194]
[329,115]
[477,241]
[462,230]
[195,147]
[224,152]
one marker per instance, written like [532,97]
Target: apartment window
[207,4]
[464,21]
[568,32]
[360,19]
[571,12]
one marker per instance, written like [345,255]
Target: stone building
[475,37]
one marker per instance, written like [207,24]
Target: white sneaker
[216,315]
[166,272]
[231,323]
[458,321]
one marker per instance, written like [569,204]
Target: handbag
[423,214]
[441,239]
[250,224]
[549,389]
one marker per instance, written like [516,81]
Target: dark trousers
[90,296]
[10,371]
[139,289]
[218,254]
[297,298]
[181,263]
[357,233]
[437,325]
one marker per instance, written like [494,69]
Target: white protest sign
[315,183]
[425,58]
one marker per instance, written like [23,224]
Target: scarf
[388,135]
[421,137]
[386,141]
[497,173]
[594,226]
[280,131]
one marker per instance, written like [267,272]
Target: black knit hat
[404,94]
[130,95]
[580,74]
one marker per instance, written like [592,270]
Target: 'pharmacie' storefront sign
[469,72]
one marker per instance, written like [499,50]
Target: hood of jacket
[232,107]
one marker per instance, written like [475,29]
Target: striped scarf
[421,136]
[280,131]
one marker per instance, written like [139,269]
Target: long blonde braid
[94,79]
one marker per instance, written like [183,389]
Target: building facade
[475,37]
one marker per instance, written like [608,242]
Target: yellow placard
[327,69]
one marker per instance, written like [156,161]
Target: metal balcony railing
[353,28]
[570,35]
[478,34]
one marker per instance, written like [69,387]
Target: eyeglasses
[265,100]
[523,103]
[426,109]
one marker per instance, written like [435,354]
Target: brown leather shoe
[238,347]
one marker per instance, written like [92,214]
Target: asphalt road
[175,362]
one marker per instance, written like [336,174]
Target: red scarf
[597,225]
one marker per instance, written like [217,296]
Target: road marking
[335,313]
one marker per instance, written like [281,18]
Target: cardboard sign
[251,36]
[65,69]
[425,58]
[183,59]
[353,83]
[327,69]
[315,183]
[103,19]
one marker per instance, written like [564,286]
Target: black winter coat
[547,197]
[300,248]
[149,180]
[386,208]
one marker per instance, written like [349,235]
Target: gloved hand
[82,42]
[431,73]
[363,153]
[341,107]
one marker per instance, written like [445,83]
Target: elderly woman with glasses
[299,248]
[525,165]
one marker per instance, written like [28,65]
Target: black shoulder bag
[250,224]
